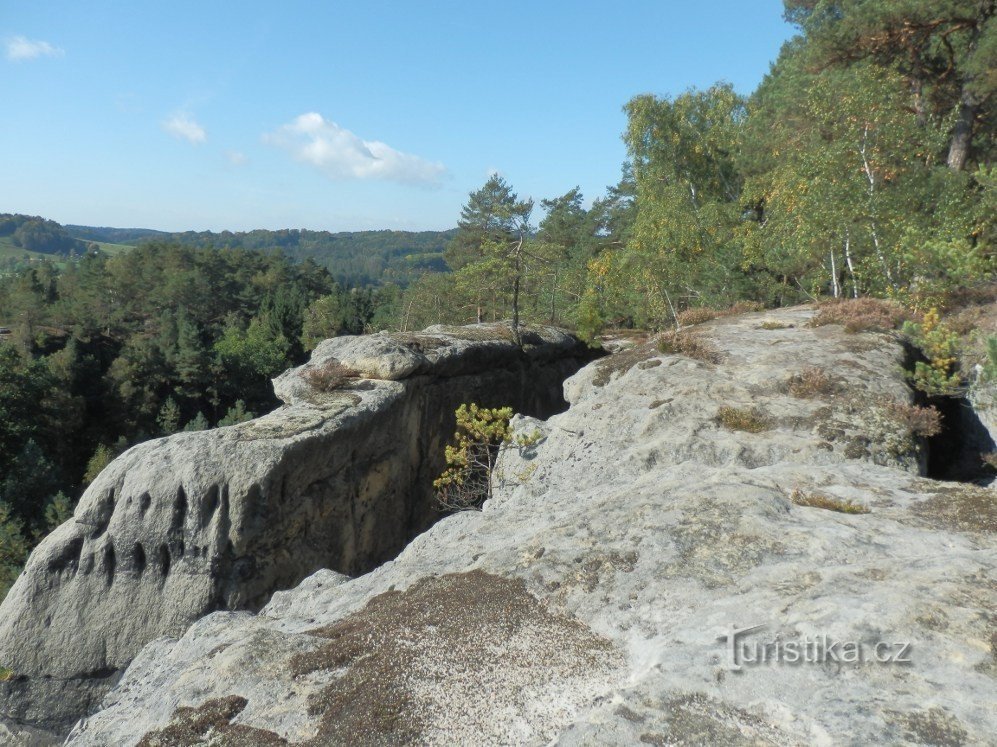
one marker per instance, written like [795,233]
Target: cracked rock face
[183,526]
[623,543]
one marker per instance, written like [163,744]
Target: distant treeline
[353,258]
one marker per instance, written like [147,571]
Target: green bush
[938,376]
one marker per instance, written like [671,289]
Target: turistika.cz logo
[744,650]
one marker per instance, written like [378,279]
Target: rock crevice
[219,520]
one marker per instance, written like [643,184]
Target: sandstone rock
[179,527]
[16,735]
[629,535]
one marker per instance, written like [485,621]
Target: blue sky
[339,116]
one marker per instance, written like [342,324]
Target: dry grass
[772,324]
[621,362]
[812,383]
[921,421]
[330,376]
[701,314]
[740,419]
[689,345]
[698,315]
[743,307]
[860,315]
[826,502]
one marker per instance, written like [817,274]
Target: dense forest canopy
[861,166]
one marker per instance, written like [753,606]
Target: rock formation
[772,480]
[219,520]
[588,602]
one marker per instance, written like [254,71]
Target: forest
[862,165]
[353,258]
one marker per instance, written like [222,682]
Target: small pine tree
[467,481]
[940,375]
[236,414]
[197,423]
[169,417]
[58,511]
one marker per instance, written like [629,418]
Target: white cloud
[236,158]
[20,48]
[184,127]
[319,142]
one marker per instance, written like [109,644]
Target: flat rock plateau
[771,480]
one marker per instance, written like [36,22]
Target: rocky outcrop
[590,602]
[218,520]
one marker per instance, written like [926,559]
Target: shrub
[701,314]
[826,502]
[744,307]
[6,674]
[689,345]
[330,376]
[772,324]
[811,383]
[921,421]
[467,481]
[698,315]
[737,419]
[940,345]
[860,315]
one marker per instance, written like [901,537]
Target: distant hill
[354,258]
[107,235]
[33,234]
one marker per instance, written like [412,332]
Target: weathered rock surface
[218,520]
[585,603]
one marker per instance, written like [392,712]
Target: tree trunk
[517,275]
[962,133]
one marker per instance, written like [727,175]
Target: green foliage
[944,49]
[990,365]
[353,259]
[34,234]
[938,376]
[251,356]
[681,247]
[169,417]
[58,511]
[236,414]
[13,548]
[467,481]
[491,253]
[197,423]
[102,457]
